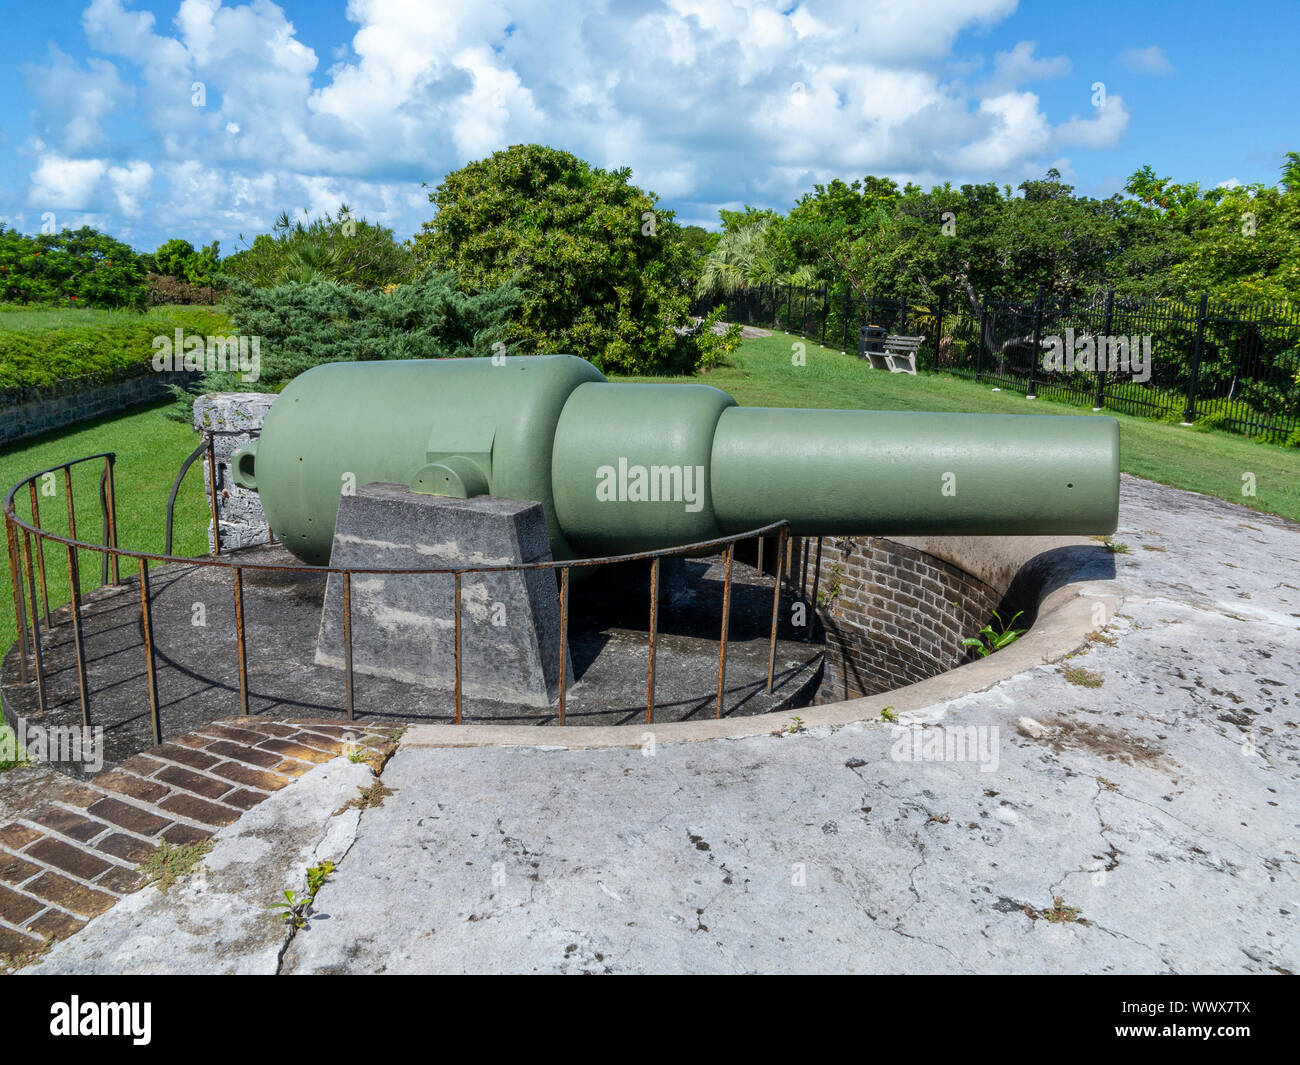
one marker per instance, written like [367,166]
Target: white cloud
[58,182]
[694,95]
[1149,60]
[1103,130]
[130,184]
[1012,69]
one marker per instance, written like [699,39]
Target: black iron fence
[1229,365]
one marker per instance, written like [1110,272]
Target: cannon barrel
[623,467]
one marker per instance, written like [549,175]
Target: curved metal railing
[26,540]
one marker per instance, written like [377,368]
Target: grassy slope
[761,374]
[150,449]
[22,318]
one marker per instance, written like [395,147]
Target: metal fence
[1229,365]
[29,541]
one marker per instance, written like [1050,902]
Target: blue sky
[712,103]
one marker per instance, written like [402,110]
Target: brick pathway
[73,857]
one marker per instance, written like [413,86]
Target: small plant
[168,864]
[1084,678]
[887,714]
[990,640]
[297,907]
[368,799]
[1115,547]
[11,755]
[832,591]
[796,725]
[1061,913]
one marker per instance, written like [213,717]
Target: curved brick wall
[893,615]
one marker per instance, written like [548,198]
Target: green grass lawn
[21,318]
[151,447]
[761,374]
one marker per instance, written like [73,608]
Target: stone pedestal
[403,625]
[232,419]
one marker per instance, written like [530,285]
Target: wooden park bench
[891,352]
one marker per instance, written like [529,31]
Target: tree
[340,247]
[177,258]
[81,266]
[599,263]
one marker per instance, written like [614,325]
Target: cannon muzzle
[624,467]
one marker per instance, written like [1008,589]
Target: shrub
[163,289]
[339,247]
[107,348]
[302,325]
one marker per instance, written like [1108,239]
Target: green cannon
[626,467]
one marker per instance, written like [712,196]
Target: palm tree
[741,259]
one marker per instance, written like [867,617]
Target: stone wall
[29,412]
[892,615]
[231,420]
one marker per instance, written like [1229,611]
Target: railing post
[564,633]
[109,461]
[726,624]
[817,576]
[979,348]
[821,333]
[241,647]
[938,331]
[151,669]
[20,599]
[1189,412]
[40,556]
[1038,338]
[654,622]
[215,549]
[776,607]
[455,579]
[38,656]
[844,342]
[1103,368]
[347,643]
[78,637]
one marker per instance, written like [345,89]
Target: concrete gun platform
[1132,807]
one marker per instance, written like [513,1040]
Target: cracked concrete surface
[1159,808]
[217,920]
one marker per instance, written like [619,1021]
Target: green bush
[339,247]
[302,325]
[106,348]
[80,267]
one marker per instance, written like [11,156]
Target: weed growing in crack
[368,799]
[168,864]
[1084,678]
[297,908]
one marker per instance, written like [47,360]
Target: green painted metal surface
[629,467]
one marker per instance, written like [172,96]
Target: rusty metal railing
[26,540]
